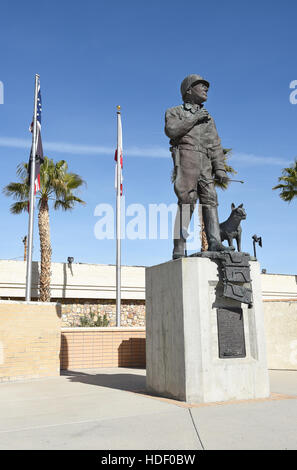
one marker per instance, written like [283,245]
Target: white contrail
[15,143]
[251,159]
[63,147]
[150,152]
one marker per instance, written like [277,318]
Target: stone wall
[132,311]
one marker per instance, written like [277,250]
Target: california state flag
[119,151]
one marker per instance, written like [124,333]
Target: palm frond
[67,203]
[58,184]
[22,170]
[288,183]
[18,191]
[55,183]
[19,207]
[229,170]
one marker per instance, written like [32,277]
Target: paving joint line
[196,430]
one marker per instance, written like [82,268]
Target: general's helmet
[191,80]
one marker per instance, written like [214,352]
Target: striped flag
[120,151]
[39,149]
[115,180]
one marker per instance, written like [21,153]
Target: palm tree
[56,184]
[288,183]
[229,171]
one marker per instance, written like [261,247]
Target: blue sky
[94,55]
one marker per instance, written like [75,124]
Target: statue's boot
[179,248]
[182,221]
[212,229]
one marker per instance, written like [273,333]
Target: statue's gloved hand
[202,115]
[221,177]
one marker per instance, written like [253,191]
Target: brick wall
[83,348]
[30,336]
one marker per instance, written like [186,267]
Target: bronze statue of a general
[198,158]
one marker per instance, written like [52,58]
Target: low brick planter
[84,348]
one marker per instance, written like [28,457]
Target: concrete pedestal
[183,300]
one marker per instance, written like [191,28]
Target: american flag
[39,150]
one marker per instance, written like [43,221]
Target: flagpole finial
[119,109]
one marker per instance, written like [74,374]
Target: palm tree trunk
[204,243]
[45,251]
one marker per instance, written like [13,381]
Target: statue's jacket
[187,134]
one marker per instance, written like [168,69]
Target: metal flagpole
[31,197]
[118,219]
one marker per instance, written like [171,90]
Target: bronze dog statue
[231,228]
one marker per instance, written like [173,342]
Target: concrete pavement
[109,409]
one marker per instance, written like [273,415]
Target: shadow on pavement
[126,382]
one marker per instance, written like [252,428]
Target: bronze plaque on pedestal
[231,333]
